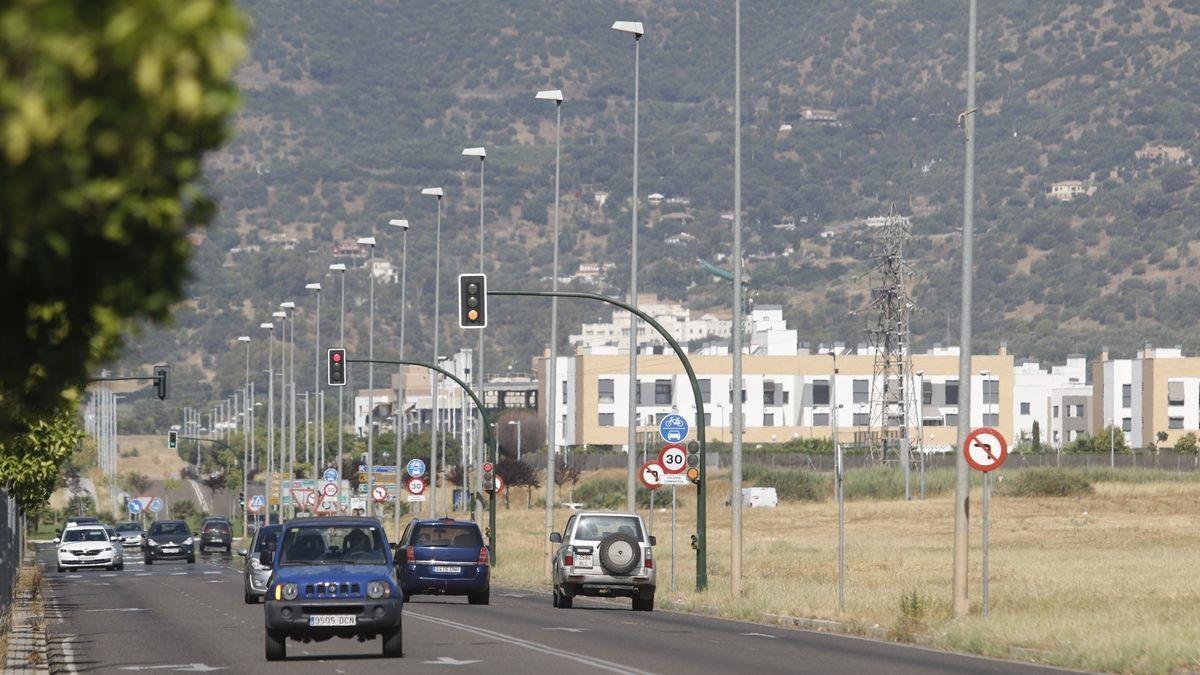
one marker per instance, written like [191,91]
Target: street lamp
[318,408]
[633,28]
[518,423]
[341,267]
[400,393]
[245,437]
[921,427]
[289,307]
[481,153]
[370,241]
[281,466]
[270,405]
[552,371]
[437,319]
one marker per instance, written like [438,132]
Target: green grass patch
[1047,482]
[797,485]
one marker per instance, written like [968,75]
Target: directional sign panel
[256,503]
[673,458]
[673,428]
[985,449]
[135,507]
[415,467]
[651,475]
[675,479]
[156,505]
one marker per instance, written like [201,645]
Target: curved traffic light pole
[701,526]
[486,439]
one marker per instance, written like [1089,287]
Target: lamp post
[633,28]
[281,444]
[370,241]
[921,427]
[987,488]
[518,425]
[838,480]
[319,454]
[341,267]
[735,465]
[400,394]
[552,369]
[289,307]
[437,319]
[270,407]
[481,153]
[246,438]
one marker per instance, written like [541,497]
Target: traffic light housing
[161,385]
[173,439]
[489,477]
[472,300]
[337,367]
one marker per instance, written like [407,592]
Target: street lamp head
[433,192]
[366,241]
[279,315]
[288,305]
[481,153]
[312,287]
[244,338]
[337,267]
[512,422]
[550,95]
[632,27]
[399,222]
[267,324]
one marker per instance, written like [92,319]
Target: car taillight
[410,554]
[569,558]
[484,557]
[649,561]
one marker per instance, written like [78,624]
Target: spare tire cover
[620,553]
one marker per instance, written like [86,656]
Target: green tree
[107,109]
[1186,445]
[1037,437]
[29,462]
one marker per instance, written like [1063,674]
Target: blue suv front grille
[332,590]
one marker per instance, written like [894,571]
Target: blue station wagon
[444,557]
[331,577]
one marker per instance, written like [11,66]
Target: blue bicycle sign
[673,428]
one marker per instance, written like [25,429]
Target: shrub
[608,493]
[1048,482]
[887,482]
[789,484]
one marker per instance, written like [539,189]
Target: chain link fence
[12,543]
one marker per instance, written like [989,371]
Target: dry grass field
[1104,582]
[154,458]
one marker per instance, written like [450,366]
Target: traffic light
[489,477]
[172,439]
[472,300]
[241,500]
[337,367]
[161,374]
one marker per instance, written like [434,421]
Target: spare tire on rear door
[620,553]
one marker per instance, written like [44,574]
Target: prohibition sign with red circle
[985,449]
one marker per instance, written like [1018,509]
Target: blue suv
[331,577]
[444,557]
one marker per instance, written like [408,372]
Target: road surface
[175,617]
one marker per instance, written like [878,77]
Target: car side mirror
[555,538]
[653,540]
[401,556]
[265,558]
[114,538]
[195,534]
[242,552]
[56,540]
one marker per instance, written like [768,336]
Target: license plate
[583,561]
[333,620]
[170,549]
[447,569]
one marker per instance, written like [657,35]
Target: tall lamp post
[633,28]
[270,406]
[400,393]
[341,267]
[319,455]
[735,465]
[245,438]
[370,241]
[281,444]
[481,153]
[289,307]
[437,319]
[552,369]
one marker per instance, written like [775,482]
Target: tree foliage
[29,462]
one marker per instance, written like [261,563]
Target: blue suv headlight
[378,589]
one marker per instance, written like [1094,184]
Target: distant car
[89,546]
[332,577]
[169,539]
[256,574]
[131,534]
[606,555]
[216,534]
[444,557]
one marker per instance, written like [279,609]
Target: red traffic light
[337,357]
[487,466]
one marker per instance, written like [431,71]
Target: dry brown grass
[153,459]
[1104,582]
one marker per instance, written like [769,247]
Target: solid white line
[199,495]
[527,644]
[69,654]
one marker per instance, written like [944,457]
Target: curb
[27,649]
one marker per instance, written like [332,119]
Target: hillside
[351,107]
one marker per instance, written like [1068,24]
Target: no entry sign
[985,449]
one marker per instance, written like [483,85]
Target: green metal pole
[701,491]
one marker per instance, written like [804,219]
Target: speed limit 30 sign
[673,458]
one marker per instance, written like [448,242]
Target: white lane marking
[759,635]
[568,630]
[179,574]
[118,609]
[108,575]
[447,661]
[215,581]
[142,574]
[74,576]
[179,667]
[527,644]
[215,572]
[514,595]
[69,653]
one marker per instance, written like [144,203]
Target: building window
[1126,395]
[1079,410]
[768,394]
[1127,424]
[662,392]
[606,419]
[991,391]
[708,419]
[1174,422]
[1175,393]
[951,394]
[861,393]
[564,395]
[706,391]
[926,393]
[951,419]
[768,419]
[820,419]
[991,419]
[1055,414]
[820,393]
[1024,407]
[786,397]
[931,422]
[861,419]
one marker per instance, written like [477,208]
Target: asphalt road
[175,617]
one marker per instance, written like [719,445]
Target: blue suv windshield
[332,545]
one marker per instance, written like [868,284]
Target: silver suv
[607,555]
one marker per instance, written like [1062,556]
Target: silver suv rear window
[595,528]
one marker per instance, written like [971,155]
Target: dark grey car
[256,575]
[169,539]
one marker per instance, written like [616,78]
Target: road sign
[330,490]
[327,505]
[673,428]
[651,475]
[415,467]
[311,500]
[256,503]
[379,493]
[985,449]
[675,479]
[300,495]
[499,485]
[135,507]
[416,498]
[378,468]
[673,458]
[330,475]
[156,505]
[416,486]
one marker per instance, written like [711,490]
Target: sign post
[985,450]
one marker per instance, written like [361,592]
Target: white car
[89,546]
[604,554]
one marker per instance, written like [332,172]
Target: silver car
[256,574]
[604,554]
[131,534]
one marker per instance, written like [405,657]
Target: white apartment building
[1047,397]
[677,319]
